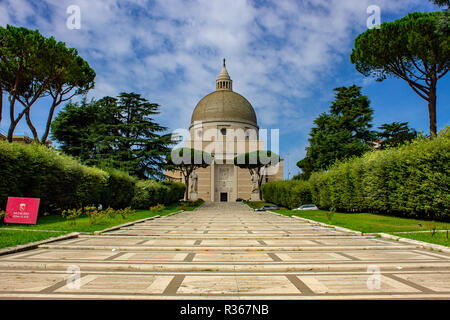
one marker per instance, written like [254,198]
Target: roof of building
[224,104]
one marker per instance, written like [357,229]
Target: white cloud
[171,51]
[4,16]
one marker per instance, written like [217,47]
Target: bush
[60,181]
[119,190]
[190,205]
[149,193]
[2,216]
[95,216]
[290,193]
[320,193]
[91,186]
[158,208]
[71,215]
[125,212]
[411,180]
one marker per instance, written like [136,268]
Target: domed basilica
[224,124]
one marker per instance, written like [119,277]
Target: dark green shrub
[60,181]
[320,192]
[289,193]
[177,190]
[92,184]
[149,193]
[411,180]
[119,190]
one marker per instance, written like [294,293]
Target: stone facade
[224,124]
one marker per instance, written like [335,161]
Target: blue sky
[285,57]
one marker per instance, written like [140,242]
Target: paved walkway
[226,251]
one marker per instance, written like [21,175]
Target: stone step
[172,257]
[151,235]
[236,268]
[224,248]
[139,235]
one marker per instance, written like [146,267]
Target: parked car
[307,207]
[268,207]
[239,200]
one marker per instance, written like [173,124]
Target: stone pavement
[226,251]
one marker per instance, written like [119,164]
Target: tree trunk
[12,126]
[12,103]
[32,128]
[49,122]
[186,181]
[432,110]
[13,122]
[260,180]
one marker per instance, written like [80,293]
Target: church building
[224,124]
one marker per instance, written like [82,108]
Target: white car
[306,207]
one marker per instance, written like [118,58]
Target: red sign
[22,210]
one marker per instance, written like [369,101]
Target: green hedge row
[61,182]
[290,193]
[150,192]
[411,180]
[119,191]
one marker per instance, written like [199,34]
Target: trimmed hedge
[119,191]
[60,181]
[290,193]
[411,180]
[150,192]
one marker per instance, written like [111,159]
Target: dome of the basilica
[224,104]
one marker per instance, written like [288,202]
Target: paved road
[225,250]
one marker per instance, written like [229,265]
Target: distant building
[224,124]
[23,139]
[376,144]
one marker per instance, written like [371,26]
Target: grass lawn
[59,223]
[365,222]
[369,222]
[10,238]
[256,204]
[438,238]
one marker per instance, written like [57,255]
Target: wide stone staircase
[226,250]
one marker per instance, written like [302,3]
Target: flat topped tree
[410,48]
[34,67]
[187,160]
[257,162]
